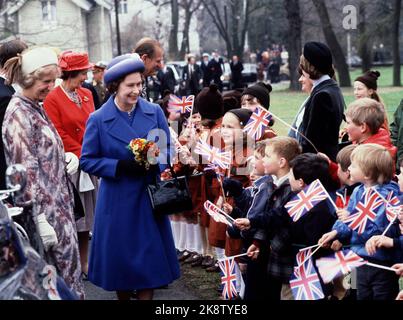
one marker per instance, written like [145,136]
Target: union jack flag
[228,278]
[306,199]
[341,262]
[393,207]
[213,154]
[304,282]
[365,211]
[215,212]
[182,105]
[257,123]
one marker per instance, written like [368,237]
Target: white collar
[320,80]
[279,182]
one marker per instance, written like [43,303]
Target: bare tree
[173,32]
[232,29]
[190,7]
[294,40]
[333,43]
[364,39]
[395,43]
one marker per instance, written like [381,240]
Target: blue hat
[123,65]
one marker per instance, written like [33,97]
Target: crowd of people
[82,178]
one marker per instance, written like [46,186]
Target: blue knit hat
[123,65]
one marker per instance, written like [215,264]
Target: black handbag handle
[174,175]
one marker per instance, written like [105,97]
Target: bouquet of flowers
[145,152]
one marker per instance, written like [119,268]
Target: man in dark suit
[192,76]
[205,70]
[166,79]
[8,50]
[236,73]
[214,67]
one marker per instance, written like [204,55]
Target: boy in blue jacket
[371,165]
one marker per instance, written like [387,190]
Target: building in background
[79,25]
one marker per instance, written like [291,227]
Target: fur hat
[209,103]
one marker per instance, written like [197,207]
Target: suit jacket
[192,82]
[322,118]
[236,73]
[167,81]
[131,247]
[206,74]
[68,118]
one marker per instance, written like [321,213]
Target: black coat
[95,97]
[322,118]
[205,74]
[236,74]
[192,82]
[215,70]
[167,81]
[6,92]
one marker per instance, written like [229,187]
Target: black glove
[232,187]
[131,168]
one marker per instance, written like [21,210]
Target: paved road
[175,291]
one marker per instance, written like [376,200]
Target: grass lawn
[285,104]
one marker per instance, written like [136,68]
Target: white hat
[36,58]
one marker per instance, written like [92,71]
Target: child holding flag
[371,165]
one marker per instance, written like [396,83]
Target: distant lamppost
[117,27]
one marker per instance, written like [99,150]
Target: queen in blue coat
[131,248]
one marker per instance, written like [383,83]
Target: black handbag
[170,196]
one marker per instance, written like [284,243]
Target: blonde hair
[285,147]
[368,111]
[14,73]
[375,162]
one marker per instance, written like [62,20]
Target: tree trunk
[364,41]
[293,40]
[333,43]
[173,34]
[395,43]
[236,6]
[185,39]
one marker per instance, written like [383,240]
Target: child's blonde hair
[375,162]
[368,111]
[285,147]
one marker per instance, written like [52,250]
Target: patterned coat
[30,139]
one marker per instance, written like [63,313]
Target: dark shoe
[189,258]
[197,260]
[185,254]
[213,268]
[207,262]
[85,276]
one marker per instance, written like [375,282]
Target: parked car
[249,73]
[177,67]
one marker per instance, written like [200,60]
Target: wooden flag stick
[238,255]
[306,248]
[313,252]
[380,266]
[295,130]
[389,225]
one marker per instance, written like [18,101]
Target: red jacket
[382,138]
[68,118]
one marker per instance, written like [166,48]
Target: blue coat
[131,248]
[346,235]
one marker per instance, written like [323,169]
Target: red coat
[68,118]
